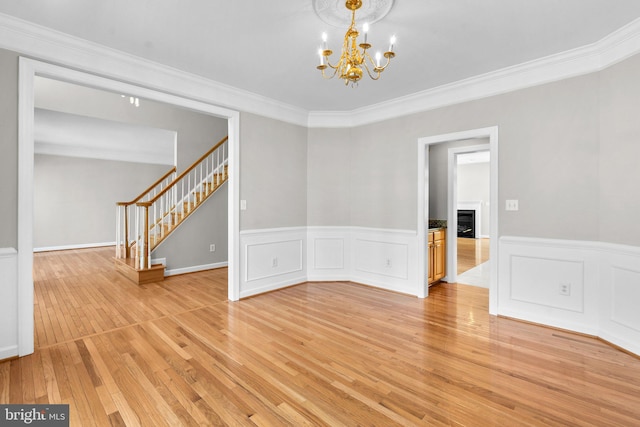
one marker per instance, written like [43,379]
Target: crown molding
[617,46]
[58,48]
[53,46]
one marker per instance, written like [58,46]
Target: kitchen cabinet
[437,250]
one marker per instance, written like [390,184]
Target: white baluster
[118,231]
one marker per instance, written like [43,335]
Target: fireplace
[466,223]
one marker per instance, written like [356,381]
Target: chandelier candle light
[353,60]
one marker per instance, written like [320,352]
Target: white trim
[74,246]
[28,69]
[8,297]
[50,45]
[423,207]
[195,268]
[267,231]
[7,252]
[26,143]
[615,47]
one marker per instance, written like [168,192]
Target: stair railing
[125,222]
[156,217]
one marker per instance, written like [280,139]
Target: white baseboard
[194,269]
[8,352]
[603,281]
[76,246]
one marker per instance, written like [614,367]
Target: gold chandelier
[353,60]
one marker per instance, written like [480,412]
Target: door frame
[28,70]
[452,205]
[423,206]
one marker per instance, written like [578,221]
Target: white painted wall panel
[382,258]
[604,303]
[9,296]
[625,297]
[537,281]
[272,259]
[329,254]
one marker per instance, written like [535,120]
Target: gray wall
[189,245]
[273,173]
[618,166]
[548,159]
[329,186]
[567,153]
[75,198]
[9,149]
[474,186]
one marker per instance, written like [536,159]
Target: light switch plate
[512,205]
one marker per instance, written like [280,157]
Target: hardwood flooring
[471,252]
[326,353]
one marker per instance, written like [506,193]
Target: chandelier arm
[324,75]
[376,70]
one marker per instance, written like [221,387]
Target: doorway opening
[424,198]
[472,200]
[28,71]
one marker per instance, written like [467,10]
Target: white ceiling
[270,47]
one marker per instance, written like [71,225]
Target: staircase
[145,222]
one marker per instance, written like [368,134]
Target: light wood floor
[328,353]
[471,252]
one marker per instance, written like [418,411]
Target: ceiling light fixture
[353,60]
[133,100]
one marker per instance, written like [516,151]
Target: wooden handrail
[185,173]
[151,187]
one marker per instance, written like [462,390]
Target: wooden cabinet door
[431,258]
[439,260]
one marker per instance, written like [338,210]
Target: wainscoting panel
[382,258]
[625,296]
[620,296]
[8,303]
[588,287]
[329,254]
[385,258]
[551,282]
[272,259]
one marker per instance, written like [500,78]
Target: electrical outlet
[274,262]
[243,205]
[388,263]
[212,248]
[565,289]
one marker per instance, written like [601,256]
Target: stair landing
[127,267]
